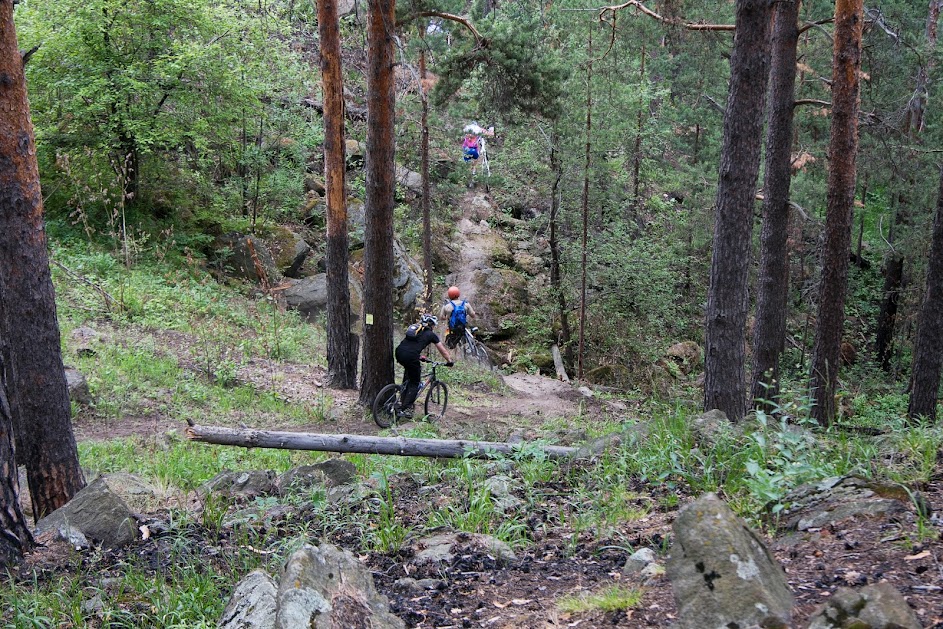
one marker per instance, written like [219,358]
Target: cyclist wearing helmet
[407,354]
[455,330]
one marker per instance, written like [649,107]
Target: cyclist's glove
[450,364]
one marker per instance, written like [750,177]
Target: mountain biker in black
[407,354]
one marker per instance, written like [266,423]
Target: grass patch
[611,599]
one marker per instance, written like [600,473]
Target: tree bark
[769,332]
[928,350]
[377,370]
[843,151]
[38,395]
[727,298]
[887,316]
[556,279]
[15,536]
[585,204]
[917,107]
[341,347]
[426,209]
[399,446]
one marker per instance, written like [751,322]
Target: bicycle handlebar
[434,363]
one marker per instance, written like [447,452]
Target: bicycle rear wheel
[384,406]
[436,400]
[476,351]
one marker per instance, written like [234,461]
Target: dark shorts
[470,154]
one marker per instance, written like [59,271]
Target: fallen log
[361,444]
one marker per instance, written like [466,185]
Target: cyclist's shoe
[405,413]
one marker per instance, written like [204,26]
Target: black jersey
[411,347]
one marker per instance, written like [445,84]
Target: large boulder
[289,251]
[326,588]
[237,254]
[877,606]
[98,512]
[78,387]
[407,279]
[309,296]
[722,574]
[252,604]
[412,181]
[500,296]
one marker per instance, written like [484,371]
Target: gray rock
[638,560]
[711,427]
[234,252]
[330,473]
[422,585]
[409,179]
[722,574]
[78,387]
[252,604]
[407,278]
[251,484]
[309,296]
[327,588]
[501,487]
[441,548]
[829,501]
[873,607]
[85,341]
[98,513]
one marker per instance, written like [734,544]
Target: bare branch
[26,54]
[811,101]
[637,4]
[445,16]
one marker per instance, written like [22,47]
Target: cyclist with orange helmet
[455,313]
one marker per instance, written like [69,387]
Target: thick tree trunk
[928,350]
[15,536]
[399,446]
[843,152]
[38,395]
[341,347]
[769,332]
[377,367]
[727,297]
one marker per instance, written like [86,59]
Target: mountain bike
[386,407]
[470,347]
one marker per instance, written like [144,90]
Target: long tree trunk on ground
[426,210]
[727,297]
[556,278]
[928,350]
[38,395]
[769,333]
[585,203]
[341,344]
[377,370]
[843,152]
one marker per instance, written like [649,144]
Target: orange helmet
[454,292]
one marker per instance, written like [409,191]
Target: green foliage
[611,599]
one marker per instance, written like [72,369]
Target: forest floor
[479,592]
[560,560]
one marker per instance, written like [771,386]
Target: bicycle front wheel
[436,400]
[384,406]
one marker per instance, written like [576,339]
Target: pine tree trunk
[585,205]
[727,297]
[928,350]
[556,277]
[377,370]
[426,209]
[341,347]
[38,395]
[769,332]
[887,315]
[843,151]
[15,536]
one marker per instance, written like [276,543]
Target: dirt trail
[475,240]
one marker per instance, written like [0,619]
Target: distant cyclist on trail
[472,143]
[455,312]
[408,352]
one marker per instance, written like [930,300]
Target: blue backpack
[458,318]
